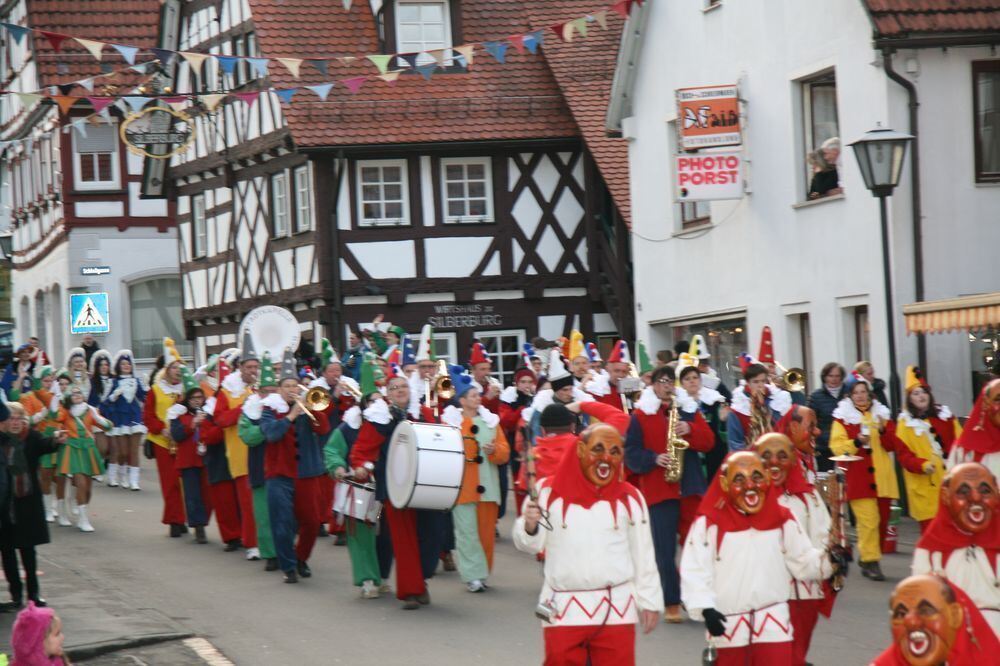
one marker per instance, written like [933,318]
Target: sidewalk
[96,619]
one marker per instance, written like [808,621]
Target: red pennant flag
[517,41]
[559,29]
[175,99]
[248,97]
[624,7]
[354,85]
[55,39]
[100,103]
[65,102]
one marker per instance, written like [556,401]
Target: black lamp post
[880,154]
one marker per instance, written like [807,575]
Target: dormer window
[421,26]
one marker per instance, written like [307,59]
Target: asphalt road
[253,618]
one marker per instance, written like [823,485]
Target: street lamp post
[880,154]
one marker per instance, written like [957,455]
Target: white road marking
[209,654]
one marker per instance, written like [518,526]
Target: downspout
[916,222]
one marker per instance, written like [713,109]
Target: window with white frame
[46,158]
[382,193]
[505,349]
[467,190]
[821,135]
[199,227]
[422,26]
[280,210]
[303,198]
[95,158]
[445,345]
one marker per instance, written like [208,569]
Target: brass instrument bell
[443,388]
[792,379]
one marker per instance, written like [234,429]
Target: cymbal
[846,458]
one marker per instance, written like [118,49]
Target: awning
[953,314]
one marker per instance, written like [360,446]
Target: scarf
[980,436]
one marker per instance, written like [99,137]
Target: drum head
[401,465]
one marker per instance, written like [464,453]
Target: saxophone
[675,447]
[760,419]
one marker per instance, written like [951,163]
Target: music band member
[562,391]
[757,406]
[604,383]
[980,441]
[962,543]
[234,389]
[742,598]
[513,401]
[293,467]
[862,426]
[712,405]
[475,512]
[480,365]
[600,567]
[799,496]
[649,454]
[416,534]
[934,623]
[165,390]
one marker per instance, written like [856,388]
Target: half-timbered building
[78,222]
[485,200]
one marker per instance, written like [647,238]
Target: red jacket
[613,399]
[149,417]
[492,404]
[187,447]
[647,438]
[285,455]
[861,473]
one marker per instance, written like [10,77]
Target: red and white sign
[708,116]
[709,176]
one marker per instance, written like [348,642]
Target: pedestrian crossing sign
[88,313]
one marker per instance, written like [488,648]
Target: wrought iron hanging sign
[158,132]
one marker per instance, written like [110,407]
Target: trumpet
[792,379]
[346,388]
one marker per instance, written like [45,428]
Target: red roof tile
[906,18]
[129,22]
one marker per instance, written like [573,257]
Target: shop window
[155,313]
[695,213]
[725,339]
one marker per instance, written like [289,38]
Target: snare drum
[356,500]
[425,466]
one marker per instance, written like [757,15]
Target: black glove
[840,557]
[147,450]
[715,622]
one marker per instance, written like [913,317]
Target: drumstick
[531,476]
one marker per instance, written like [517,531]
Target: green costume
[249,432]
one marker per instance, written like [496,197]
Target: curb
[91,650]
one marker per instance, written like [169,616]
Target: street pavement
[128,594]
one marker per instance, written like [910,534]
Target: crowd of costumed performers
[640,487]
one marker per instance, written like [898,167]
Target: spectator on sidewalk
[90,345]
[37,638]
[867,370]
[823,401]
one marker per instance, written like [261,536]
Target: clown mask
[778,455]
[745,481]
[601,452]
[925,620]
[971,497]
[991,402]
[804,432]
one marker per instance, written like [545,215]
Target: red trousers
[244,496]
[328,489]
[593,645]
[757,654]
[406,549]
[308,513]
[170,487]
[227,509]
[804,614]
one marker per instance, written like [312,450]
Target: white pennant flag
[95,48]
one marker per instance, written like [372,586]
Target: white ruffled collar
[352,417]
[378,412]
[509,395]
[923,426]
[170,389]
[276,404]
[648,403]
[79,410]
[234,384]
[709,396]
[777,400]
[600,385]
[176,411]
[320,382]
[849,414]
[253,407]
[453,416]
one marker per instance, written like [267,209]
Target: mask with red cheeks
[601,452]
[991,403]
[745,481]
[804,432]
[925,620]
[778,455]
[970,494]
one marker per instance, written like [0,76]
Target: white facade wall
[768,256]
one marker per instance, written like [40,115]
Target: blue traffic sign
[88,313]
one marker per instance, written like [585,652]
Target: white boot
[50,509]
[123,472]
[133,481]
[112,475]
[64,513]
[71,502]
[83,522]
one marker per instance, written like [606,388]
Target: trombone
[313,400]
[792,379]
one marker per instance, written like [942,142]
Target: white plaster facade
[768,257]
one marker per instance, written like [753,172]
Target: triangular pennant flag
[16,31]
[95,48]
[438,55]
[135,102]
[427,71]
[259,66]
[381,61]
[321,66]
[55,39]
[211,102]
[602,18]
[99,103]
[94,120]
[344,60]
[248,97]
[227,63]
[390,77]
[27,99]
[176,106]
[624,7]
[285,95]
[194,60]
[409,60]
[322,90]
[127,52]
[581,26]
[174,99]
[81,127]
[517,41]
[65,102]
[497,49]
[293,65]
[467,51]
[533,40]
[354,84]
[347,5]
[106,114]
[87,84]
[140,68]
[163,55]
[66,88]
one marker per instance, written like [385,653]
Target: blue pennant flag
[285,95]
[320,65]
[410,60]
[498,50]
[227,63]
[321,90]
[427,71]
[259,66]
[533,40]
[127,52]
[16,31]
[163,55]
[135,102]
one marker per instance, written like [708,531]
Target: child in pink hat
[37,639]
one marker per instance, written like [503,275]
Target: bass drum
[425,466]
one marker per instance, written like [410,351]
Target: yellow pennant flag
[567,29]
[390,77]
[95,48]
[212,101]
[467,51]
[602,18]
[194,60]
[293,65]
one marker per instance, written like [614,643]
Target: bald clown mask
[803,429]
[601,452]
[778,455]
[925,618]
[970,494]
[991,402]
[745,481]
